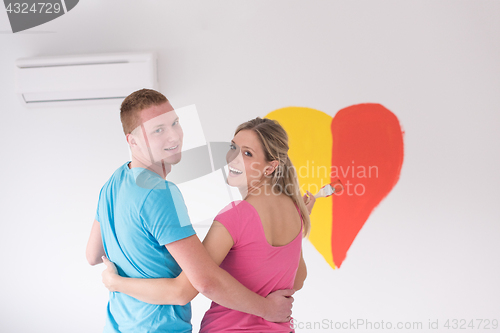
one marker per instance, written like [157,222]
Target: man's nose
[173,136]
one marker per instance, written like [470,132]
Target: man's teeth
[172,148]
[235,170]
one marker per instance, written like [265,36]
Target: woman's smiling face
[246,160]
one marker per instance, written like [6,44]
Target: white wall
[428,252]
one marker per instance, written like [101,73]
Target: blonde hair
[274,140]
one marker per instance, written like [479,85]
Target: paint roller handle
[320,194]
[329,189]
[325,191]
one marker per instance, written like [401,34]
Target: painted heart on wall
[363,146]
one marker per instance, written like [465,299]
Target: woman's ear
[273,165]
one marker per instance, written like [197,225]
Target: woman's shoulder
[234,208]
[271,202]
[237,217]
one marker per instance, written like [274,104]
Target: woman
[257,240]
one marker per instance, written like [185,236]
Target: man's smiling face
[159,138]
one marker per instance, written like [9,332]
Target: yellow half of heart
[310,142]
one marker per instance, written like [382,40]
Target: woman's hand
[109,275]
[309,200]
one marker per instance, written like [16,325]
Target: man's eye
[175,122]
[159,130]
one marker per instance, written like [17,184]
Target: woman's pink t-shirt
[257,265]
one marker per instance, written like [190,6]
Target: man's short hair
[133,104]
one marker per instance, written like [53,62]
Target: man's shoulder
[115,176]
[160,190]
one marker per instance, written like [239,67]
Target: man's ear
[131,140]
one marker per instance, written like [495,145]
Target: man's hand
[280,306]
[109,275]
[309,200]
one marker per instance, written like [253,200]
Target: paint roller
[329,189]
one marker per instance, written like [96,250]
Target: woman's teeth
[233,170]
[172,148]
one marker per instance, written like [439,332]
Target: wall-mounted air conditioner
[84,79]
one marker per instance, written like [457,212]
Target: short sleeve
[165,215]
[97,214]
[97,218]
[230,217]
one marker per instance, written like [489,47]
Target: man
[142,225]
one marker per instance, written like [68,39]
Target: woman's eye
[249,154]
[231,146]
[175,122]
[159,130]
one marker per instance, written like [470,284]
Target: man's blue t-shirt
[139,212]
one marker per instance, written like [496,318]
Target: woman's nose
[232,155]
